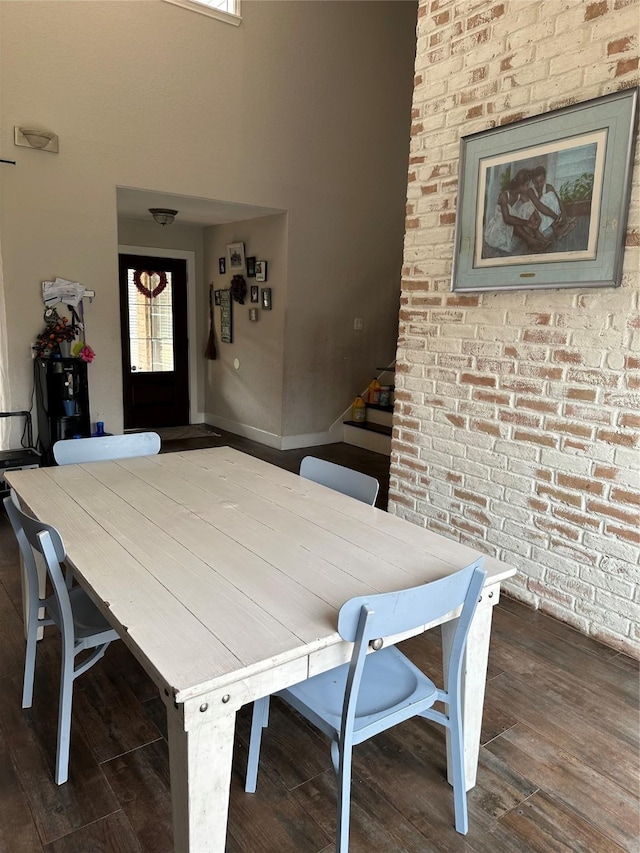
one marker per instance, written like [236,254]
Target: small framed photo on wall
[253,315]
[261,270]
[235,257]
[251,267]
[216,297]
[255,296]
[266,298]
[222,266]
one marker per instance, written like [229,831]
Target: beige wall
[303,108]
[247,399]
[517,427]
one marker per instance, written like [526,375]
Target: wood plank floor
[558,767]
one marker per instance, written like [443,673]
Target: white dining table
[224,575]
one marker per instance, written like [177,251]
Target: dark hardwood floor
[558,765]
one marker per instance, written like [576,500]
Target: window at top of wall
[224,10]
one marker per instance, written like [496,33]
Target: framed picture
[543,202]
[216,297]
[261,270]
[253,315]
[255,297]
[251,267]
[222,266]
[235,257]
[226,317]
[266,298]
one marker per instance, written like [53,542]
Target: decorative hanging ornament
[150,284]
[238,288]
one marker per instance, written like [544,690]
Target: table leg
[474,678]
[200,756]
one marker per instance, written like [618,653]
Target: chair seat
[88,622]
[389,680]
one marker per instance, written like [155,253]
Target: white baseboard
[279,442]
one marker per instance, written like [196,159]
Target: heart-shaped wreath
[147,291]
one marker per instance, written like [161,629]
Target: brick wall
[517,417]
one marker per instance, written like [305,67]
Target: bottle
[358,410]
[100,430]
[373,392]
[385,395]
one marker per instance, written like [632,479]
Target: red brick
[581,484]
[578,518]
[537,505]
[447,218]
[625,66]
[623,496]
[544,475]
[620,438]
[541,372]
[471,497]
[622,533]
[586,394]
[595,10]
[632,362]
[486,381]
[442,18]
[456,420]
[461,524]
[485,17]
[630,518]
[628,420]
[620,45]
[488,428]
[559,495]
[551,526]
[545,336]
[569,428]
[412,223]
[605,472]
[462,300]
[488,397]
[569,443]
[543,440]
[567,357]
[511,417]
[536,405]
[476,515]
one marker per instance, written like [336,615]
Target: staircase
[374,433]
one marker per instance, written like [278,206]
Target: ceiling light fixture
[162,215]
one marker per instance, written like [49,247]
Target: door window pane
[150,322]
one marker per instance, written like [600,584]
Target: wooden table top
[214,566]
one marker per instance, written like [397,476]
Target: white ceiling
[135,204]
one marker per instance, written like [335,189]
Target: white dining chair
[362,487]
[105,447]
[81,624]
[376,691]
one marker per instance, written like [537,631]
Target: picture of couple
[530,205]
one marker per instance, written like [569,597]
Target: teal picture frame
[543,202]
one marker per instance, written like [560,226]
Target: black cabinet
[62,396]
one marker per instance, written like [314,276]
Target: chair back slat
[362,487]
[105,447]
[34,535]
[396,612]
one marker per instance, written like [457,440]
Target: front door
[155,359]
